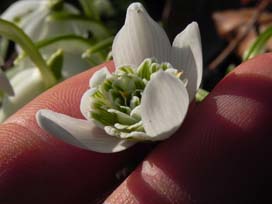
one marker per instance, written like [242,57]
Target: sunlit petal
[98,77]
[187,56]
[85,103]
[141,37]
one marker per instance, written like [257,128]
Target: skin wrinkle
[122,195]
[248,110]
[162,184]
[11,154]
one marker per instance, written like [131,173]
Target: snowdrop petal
[164,105]
[33,24]
[27,84]
[98,77]
[19,9]
[187,56]
[5,84]
[80,133]
[141,37]
[85,103]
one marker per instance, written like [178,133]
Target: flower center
[116,102]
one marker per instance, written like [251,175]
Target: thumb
[222,153]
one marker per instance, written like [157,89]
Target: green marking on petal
[125,109]
[125,70]
[123,118]
[104,117]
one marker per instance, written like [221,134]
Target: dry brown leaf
[232,22]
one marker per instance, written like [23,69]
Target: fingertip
[221,154]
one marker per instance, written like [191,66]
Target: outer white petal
[141,37]
[5,84]
[187,55]
[20,8]
[164,105]
[33,24]
[98,77]
[85,103]
[27,84]
[81,133]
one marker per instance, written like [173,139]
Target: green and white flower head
[33,17]
[145,99]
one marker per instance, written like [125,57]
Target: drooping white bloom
[143,99]
[32,17]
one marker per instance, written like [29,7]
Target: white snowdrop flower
[145,98]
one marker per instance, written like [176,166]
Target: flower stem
[12,32]
[258,46]
[89,9]
[103,44]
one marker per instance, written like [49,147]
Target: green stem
[4,47]
[98,47]
[14,33]
[258,46]
[50,41]
[96,27]
[78,43]
[89,9]
[56,5]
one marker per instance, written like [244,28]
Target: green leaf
[65,42]
[259,45]
[230,68]
[4,47]
[1,60]
[55,63]
[201,94]
[77,41]
[101,45]
[11,31]
[56,5]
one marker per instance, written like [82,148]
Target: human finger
[221,154]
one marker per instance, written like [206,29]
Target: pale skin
[221,154]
